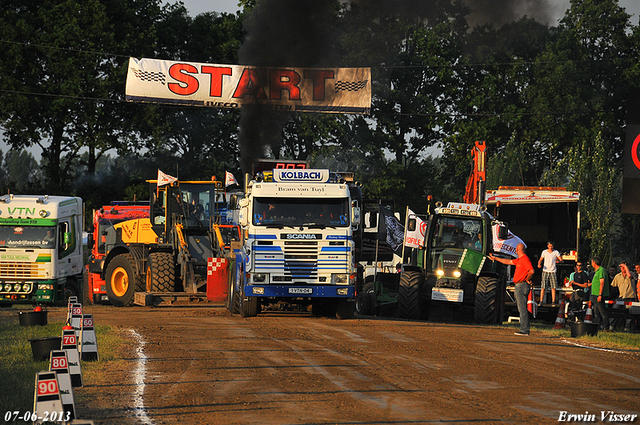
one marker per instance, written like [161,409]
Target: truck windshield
[454,232]
[28,237]
[325,212]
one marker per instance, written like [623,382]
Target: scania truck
[298,246]
[40,248]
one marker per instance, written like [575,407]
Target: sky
[195,7]
[231,6]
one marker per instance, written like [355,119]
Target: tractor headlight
[439,272]
[456,274]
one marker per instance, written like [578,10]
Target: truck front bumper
[293,291]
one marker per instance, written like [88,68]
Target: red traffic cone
[560,321]
[588,317]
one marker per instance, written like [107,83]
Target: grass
[18,368]
[611,340]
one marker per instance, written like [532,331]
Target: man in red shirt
[522,280]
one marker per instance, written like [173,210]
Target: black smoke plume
[294,33]
[281,33]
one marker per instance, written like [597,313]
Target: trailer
[538,215]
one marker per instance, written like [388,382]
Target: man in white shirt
[550,257]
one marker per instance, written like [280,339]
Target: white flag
[415,238]
[165,178]
[507,246]
[229,179]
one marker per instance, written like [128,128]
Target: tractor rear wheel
[161,272]
[121,280]
[486,300]
[409,295]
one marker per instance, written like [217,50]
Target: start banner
[336,90]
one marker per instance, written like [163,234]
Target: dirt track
[202,365]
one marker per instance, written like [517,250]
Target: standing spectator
[624,282]
[599,290]
[522,280]
[550,257]
[579,281]
[637,277]
[613,291]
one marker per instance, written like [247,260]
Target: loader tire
[486,300]
[121,280]
[161,272]
[409,306]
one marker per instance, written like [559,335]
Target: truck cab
[41,258]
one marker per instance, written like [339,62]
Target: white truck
[298,246]
[41,258]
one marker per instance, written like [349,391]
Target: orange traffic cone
[560,321]
[588,317]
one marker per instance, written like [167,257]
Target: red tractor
[104,218]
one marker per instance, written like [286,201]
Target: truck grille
[296,262]
[301,259]
[11,270]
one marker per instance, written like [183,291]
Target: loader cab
[191,204]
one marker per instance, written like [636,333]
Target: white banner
[415,238]
[507,246]
[339,90]
[229,179]
[165,178]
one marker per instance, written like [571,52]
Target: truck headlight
[26,287]
[16,287]
[7,287]
[257,290]
[340,279]
[45,286]
[342,291]
[259,278]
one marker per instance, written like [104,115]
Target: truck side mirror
[503,232]
[411,225]
[355,218]
[243,216]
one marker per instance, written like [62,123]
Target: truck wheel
[161,272]
[233,298]
[248,305]
[345,309]
[409,295]
[365,301]
[71,290]
[486,300]
[121,280]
